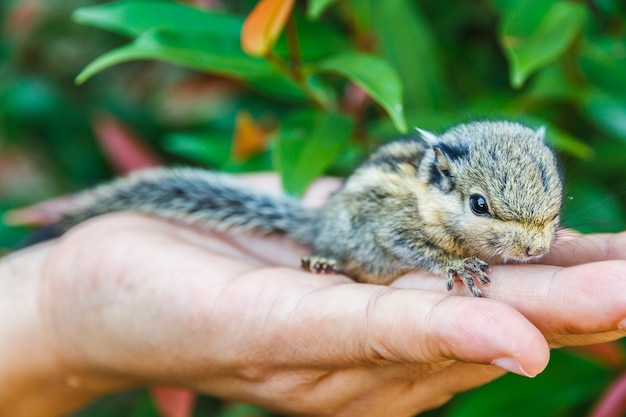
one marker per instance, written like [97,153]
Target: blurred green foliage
[345,76]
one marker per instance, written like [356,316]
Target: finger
[441,386]
[584,300]
[395,390]
[385,325]
[561,340]
[401,340]
[581,304]
[576,250]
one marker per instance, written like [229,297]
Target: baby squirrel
[481,192]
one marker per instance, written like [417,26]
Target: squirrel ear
[540,134]
[441,172]
[442,162]
[429,137]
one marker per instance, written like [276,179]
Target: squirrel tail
[197,197]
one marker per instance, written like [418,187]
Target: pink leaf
[124,148]
[613,402]
[173,402]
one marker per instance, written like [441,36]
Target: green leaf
[536,32]
[126,403]
[568,381]
[277,86]
[590,206]
[407,41]
[552,83]
[213,149]
[315,8]
[243,410]
[307,144]
[564,142]
[607,112]
[317,40]
[9,235]
[261,162]
[560,139]
[503,5]
[210,148]
[607,167]
[132,18]
[604,64]
[201,52]
[374,75]
[145,408]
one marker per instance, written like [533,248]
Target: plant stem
[293,45]
[294,68]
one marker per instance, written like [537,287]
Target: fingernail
[511,365]
[622,325]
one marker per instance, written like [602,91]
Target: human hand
[582,280]
[130,300]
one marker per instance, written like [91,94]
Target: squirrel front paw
[319,265]
[467,269]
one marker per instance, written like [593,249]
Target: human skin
[125,300]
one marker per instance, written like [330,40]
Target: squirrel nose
[535,251]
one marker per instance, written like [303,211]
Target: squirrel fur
[481,192]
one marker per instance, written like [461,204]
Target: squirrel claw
[467,270]
[319,265]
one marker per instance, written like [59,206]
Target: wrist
[37,379]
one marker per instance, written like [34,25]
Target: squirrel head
[495,188]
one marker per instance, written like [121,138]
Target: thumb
[376,324]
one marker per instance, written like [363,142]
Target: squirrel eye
[478,204]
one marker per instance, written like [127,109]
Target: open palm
[128,300]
